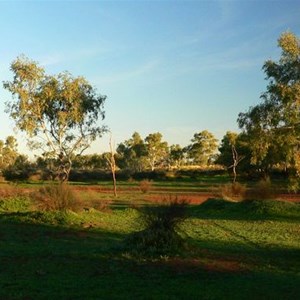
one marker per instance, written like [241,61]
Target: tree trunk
[64,168]
[112,164]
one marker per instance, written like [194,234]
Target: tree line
[60,113]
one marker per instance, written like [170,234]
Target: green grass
[247,250]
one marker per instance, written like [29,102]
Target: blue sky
[177,67]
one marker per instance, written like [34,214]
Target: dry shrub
[92,201]
[145,186]
[233,191]
[263,190]
[9,191]
[57,198]
[101,205]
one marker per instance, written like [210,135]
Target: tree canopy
[59,113]
[273,126]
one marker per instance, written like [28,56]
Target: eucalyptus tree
[273,126]
[8,152]
[232,151]
[157,150]
[131,154]
[176,155]
[203,148]
[59,113]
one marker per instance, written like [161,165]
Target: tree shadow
[44,261]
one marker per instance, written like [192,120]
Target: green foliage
[14,204]
[160,235]
[8,152]
[60,110]
[273,125]
[157,150]
[56,198]
[20,170]
[131,154]
[176,156]
[203,148]
[293,185]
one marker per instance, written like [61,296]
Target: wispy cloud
[56,58]
[128,74]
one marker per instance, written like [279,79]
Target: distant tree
[8,152]
[176,156]
[21,169]
[273,126]
[110,157]
[203,148]
[157,150]
[89,162]
[131,154]
[231,153]
[58,113]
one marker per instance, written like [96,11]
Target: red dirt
[179,265]
[190,198]
[164,196]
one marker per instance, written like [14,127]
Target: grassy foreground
[248,250]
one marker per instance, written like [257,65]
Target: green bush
[160,235]
[58,197]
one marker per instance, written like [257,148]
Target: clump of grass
[15,204]
[233,191]
[145,186]
[57,198]
[161,225]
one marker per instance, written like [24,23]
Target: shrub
[145,186]
[160,235]
[263,190]
[56,198]
[233,191]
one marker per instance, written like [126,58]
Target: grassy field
[244,250]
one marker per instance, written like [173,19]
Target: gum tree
[273,126]
[157,150]
[59,113]
[203,148]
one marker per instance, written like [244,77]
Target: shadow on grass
[40,261]
[219,209]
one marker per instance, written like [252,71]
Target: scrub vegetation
[148,220]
